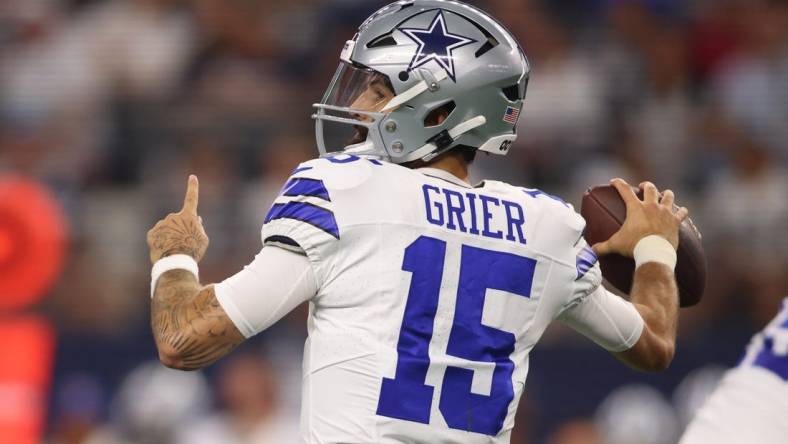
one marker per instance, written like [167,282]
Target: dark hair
[468,152]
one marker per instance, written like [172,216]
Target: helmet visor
[352,107]
[359,88]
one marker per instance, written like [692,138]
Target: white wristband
[654,248]
[169,263]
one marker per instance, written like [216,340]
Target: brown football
[604,212]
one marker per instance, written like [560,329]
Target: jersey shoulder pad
[557,208]
[302,215]
[307,205]
[556,226]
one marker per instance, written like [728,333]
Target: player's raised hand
[181,232]
[192,196]
[655,214]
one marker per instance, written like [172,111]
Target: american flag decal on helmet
[511,115]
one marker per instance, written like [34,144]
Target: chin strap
[439,143]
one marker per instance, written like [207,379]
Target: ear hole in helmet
[512,92]
[439,114]
[382,41]
[491,43]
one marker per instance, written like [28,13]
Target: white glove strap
[169,263]
[654,248]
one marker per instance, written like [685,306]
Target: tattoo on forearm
[188,320]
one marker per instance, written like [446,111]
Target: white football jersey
[751,403]
[431,295]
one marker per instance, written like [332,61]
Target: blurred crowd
[111,103]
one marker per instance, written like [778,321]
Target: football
[604,211]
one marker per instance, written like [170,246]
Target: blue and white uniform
[751,403]
[426,296]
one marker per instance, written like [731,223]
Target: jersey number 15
[407,396]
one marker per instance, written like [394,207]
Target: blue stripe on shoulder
[305,212]
[306,187]
[586,259]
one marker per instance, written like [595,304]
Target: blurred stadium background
[110,104]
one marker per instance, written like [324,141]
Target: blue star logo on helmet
[436,44]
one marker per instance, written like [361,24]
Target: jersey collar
[443,175]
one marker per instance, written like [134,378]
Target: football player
[751,402]
[426,293]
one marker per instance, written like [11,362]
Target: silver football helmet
[420,78]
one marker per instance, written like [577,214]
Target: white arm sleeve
[610,321]
[275,283]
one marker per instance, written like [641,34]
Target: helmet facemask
[349,117]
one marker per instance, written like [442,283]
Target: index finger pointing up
[192,195]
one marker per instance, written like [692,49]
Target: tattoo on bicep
[194,326]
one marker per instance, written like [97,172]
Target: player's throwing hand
[654,214]
[181,232]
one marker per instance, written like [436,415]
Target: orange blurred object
[26,359]
[32,242]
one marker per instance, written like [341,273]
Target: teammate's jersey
[751,403]
[768,350]
[431,295]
